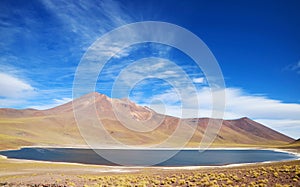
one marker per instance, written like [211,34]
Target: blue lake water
[141,157]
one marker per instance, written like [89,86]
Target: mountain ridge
[121,117]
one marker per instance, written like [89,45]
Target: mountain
[126,122]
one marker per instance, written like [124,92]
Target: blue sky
[256,43]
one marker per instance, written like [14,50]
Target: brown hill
[295,144]
[125,122]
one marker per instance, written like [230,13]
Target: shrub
[181,182]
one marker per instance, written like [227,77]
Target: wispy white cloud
[13,87]
[12,102]
[19,91]
[293,67]
[199,80]
[89,20]
[156,68]
[14,90]
[53,103]
[258,106]
[153,68]
[285,126]
[168,97]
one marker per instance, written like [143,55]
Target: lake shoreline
[294,152]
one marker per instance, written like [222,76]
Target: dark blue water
[141,157]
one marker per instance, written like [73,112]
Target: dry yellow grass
[51,174]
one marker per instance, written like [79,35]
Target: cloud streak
[199,80]
[14,90]
[293,67]
[89,20]
[13,87]
[53,103]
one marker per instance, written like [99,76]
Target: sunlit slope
[293,145]
[125,122]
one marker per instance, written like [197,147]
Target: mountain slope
[294,145]
[125,122]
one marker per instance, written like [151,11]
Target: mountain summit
[125,122]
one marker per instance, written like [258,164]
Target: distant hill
[57,126]
[295,143]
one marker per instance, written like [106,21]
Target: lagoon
[145,157]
